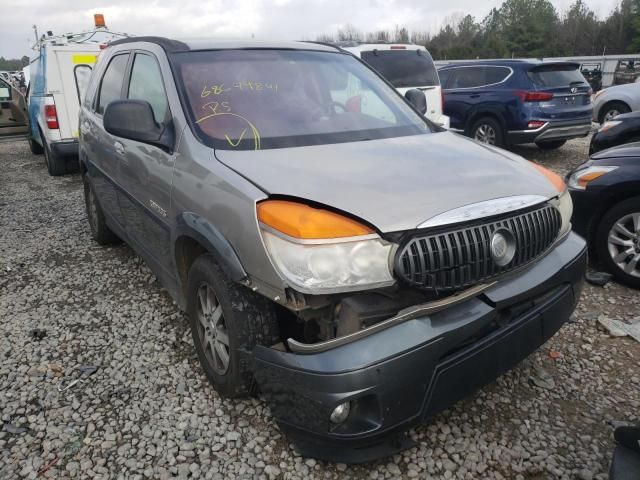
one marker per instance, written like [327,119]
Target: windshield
[556,76]
[259,99]
[404,68]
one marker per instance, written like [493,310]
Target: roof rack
[167,44]
[356,43]
[325,44]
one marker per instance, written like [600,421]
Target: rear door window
[466,77]
[146,84]
[82,74]
[403,68]
[554,76]
[111,85]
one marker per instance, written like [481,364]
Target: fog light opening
[340,413]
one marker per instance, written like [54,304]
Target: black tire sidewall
[613,105]
[100,232]
[56,166]
[244,325]
[601,239]
[495,124]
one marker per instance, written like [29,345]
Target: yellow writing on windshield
[221,88]
[234,144]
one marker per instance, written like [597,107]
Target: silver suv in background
[361,267]
[612,101]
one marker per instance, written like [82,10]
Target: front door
[145,170]
[13,111]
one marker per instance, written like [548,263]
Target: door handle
[119,148]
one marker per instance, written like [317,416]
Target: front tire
[100,232]
[551,144]
[227,320]
[487,130]
[618,241]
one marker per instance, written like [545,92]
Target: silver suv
[333,249]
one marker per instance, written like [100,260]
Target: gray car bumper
[551,131]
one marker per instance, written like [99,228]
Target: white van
[59,76]
[405,66]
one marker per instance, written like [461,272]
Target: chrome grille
[459,257]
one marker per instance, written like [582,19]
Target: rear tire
[625,247]
[35,147]
[487,130]
[100,232]
[611,109]
[56,165]
[227,321]
[551,145]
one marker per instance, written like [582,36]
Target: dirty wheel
[487,130]
[100,232]
[618,241]
[35,147]
[56,165]
[227,321]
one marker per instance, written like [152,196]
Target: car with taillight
[610,102]
[59,74]
[606,197]
[624,128]
[511,102]
[406,66]
[360,266]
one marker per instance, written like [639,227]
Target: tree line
[13,63]
[520,28]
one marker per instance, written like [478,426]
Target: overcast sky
[264,19]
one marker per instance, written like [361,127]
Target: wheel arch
[479,113]
[602,108]
[194,236]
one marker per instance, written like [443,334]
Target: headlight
[581,177]
[319,251]
[609,125]
[564,204]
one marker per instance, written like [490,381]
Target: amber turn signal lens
[554,178]
[302,221]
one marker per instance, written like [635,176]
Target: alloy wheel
[212,329]
[624,244]
[485,133]
[611,114]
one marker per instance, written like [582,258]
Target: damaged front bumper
[406,374]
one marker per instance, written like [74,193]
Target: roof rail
[326,44]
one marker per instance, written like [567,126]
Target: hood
[628,116]
[626,150]
[394,184]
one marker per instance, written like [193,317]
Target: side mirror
[134,120]
[417,99]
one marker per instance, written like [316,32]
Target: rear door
[571,93]
[13,111]
[407,68]
[70,71]
[462,92]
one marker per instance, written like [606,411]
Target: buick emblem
[503,247]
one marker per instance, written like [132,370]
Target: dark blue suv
[516,101]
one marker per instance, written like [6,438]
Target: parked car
[612,101]
[606,198]
[361,267]
[13,111]
[622,129]
[405,66]
[59,76]
[514,101]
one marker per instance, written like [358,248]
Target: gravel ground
[148,411]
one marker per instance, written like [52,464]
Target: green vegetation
[13,64]
[521,28]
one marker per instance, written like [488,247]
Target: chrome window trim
[487,208]
[481,86]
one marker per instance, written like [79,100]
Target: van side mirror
[134,120]
[418,99]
